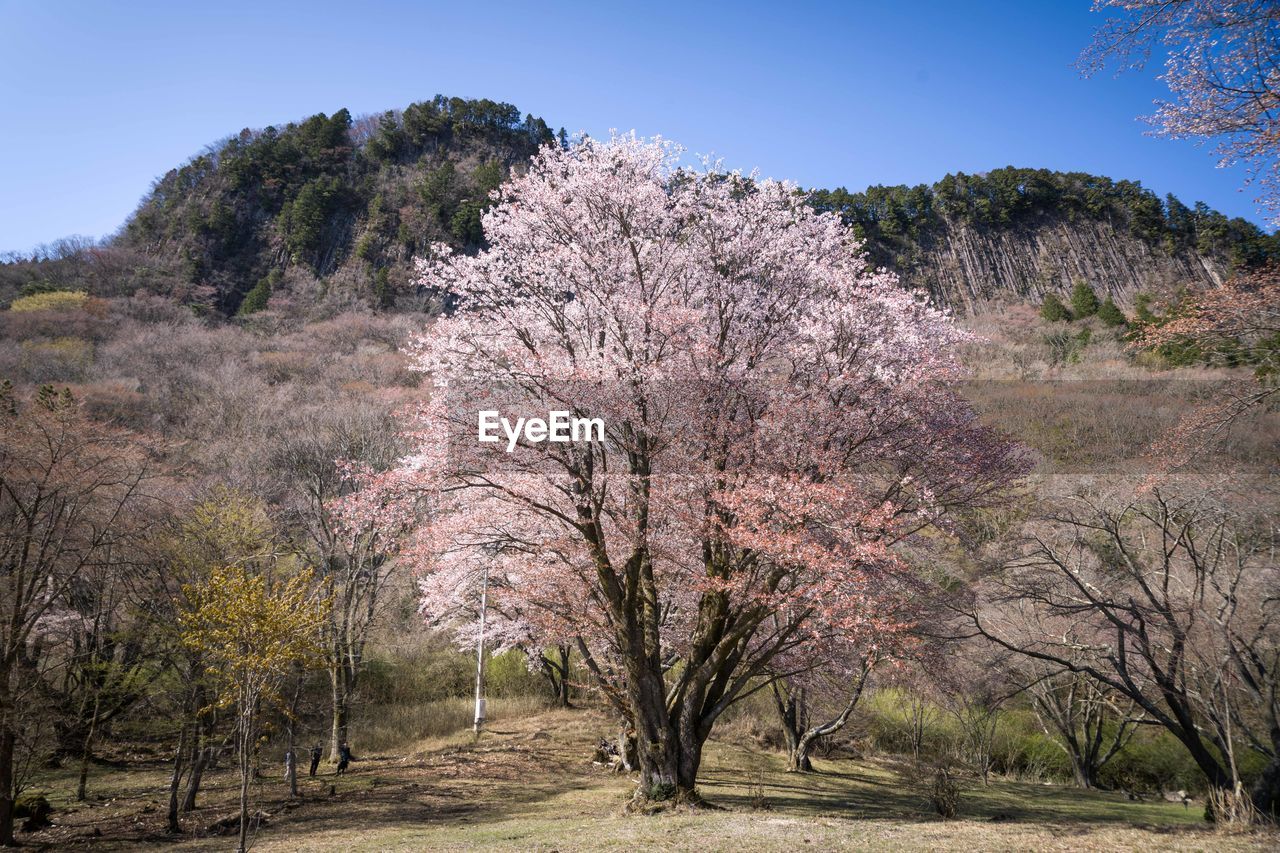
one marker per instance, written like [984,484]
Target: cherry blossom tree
[776,414]
[1221,71]
[816,687]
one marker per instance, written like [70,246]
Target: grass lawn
[529,784]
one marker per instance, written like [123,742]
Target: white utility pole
[484,601]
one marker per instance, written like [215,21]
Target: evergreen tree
[1084,302]
[1142,309]
[382,287]
[258,298]
[1111,315]
[1053,310]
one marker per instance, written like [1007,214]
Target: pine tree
[1111,315]
[257,299]
[382,288]
[1053,310]
[1084,302]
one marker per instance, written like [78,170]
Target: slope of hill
[328,213]
[1024,232]
[345,202]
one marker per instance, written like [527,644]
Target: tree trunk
[199,758]
[1266,790]
[86,753]
[793,715]
[669,756]
[82,786]
[341,684]
[175,781]
[794,712]
[555,667]
[1085,775]
[798,756]
[8,742]
[246,740]
[291,754]
[291,771]
[628,759]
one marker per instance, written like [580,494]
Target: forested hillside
[1025,232]
[327,213]
[328,208]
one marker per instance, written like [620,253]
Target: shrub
[944,794]
[935,783]
[508,674]
[1084,302]
[1111,315]
[51,300]
[1053,310]
[30,804]
[257,299]
[61,359]
[1066,348]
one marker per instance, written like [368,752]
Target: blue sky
[100,98]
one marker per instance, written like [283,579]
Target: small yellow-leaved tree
[253,632]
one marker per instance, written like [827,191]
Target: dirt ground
[531,784]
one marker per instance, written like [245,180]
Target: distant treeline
[336,208]
[897,219]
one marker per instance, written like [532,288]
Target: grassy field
[530,784]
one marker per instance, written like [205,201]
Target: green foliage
[1142,309]
[382,287]
[488,177]
[303,219]
[253,631]
[257,299]
[325,195]
[439,191]
[1084,302]
[896,221]
[465,223]
[1111,315]
[33,288]
[508,674]
[1053,310]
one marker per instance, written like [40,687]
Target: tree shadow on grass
[517,774]
[863,792]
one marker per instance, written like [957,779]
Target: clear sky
[100,98]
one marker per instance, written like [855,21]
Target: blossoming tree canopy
[777,415]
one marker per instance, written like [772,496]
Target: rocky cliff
[964,266]
[1019,233]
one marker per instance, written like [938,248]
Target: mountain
[1023,232]
[329,212]
[331,200]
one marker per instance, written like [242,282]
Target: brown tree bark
[8,742]
[341,682]
[175,781]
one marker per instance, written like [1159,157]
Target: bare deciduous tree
[1169,602]
[70,491]
[1084,719]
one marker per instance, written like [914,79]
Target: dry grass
[529,784]
[409,723]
